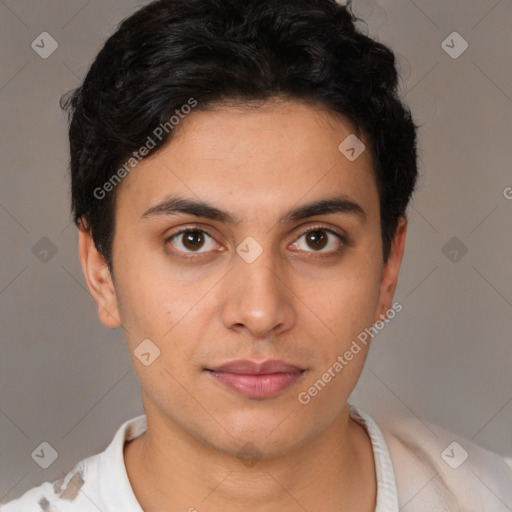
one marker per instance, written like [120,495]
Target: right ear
[99,280]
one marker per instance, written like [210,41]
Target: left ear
[391,270]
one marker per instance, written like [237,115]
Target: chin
[273,434]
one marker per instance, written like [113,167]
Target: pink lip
[257,380]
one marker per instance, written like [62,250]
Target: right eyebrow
[174,205]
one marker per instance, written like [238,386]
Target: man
[240,177]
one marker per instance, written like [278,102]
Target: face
[245,267]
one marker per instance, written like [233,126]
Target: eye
[192,240]
[318,239]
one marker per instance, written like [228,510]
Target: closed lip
[246,367]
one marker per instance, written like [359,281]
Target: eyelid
[342,236]
[188,229]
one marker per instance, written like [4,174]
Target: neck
[171,471]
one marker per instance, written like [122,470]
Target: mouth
[257,380]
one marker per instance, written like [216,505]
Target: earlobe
[99,280]
[391,270]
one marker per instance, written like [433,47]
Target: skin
[298,302]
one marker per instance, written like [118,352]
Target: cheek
[166,311]
[347,308]
[348,300]
[150,301]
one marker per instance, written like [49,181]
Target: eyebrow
[173,205]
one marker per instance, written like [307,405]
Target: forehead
[257,157]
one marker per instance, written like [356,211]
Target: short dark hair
[210,51]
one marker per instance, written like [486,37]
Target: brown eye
[318,239]
[192,240]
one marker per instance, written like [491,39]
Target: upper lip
[246,367]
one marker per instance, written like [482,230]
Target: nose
[257,298]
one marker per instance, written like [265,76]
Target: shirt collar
[118,494]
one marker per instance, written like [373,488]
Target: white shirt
[415,471]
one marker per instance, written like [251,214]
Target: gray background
[446,358]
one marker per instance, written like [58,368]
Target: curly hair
[170,51]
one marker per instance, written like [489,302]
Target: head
[225,118]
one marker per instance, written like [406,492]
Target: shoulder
[69,493]
[93,484]
[437,470]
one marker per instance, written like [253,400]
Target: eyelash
[194,256]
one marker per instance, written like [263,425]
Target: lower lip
[257,386]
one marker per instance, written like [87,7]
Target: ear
[391,270]
[99,281]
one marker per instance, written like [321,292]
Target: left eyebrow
[175,205]
[340,204]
